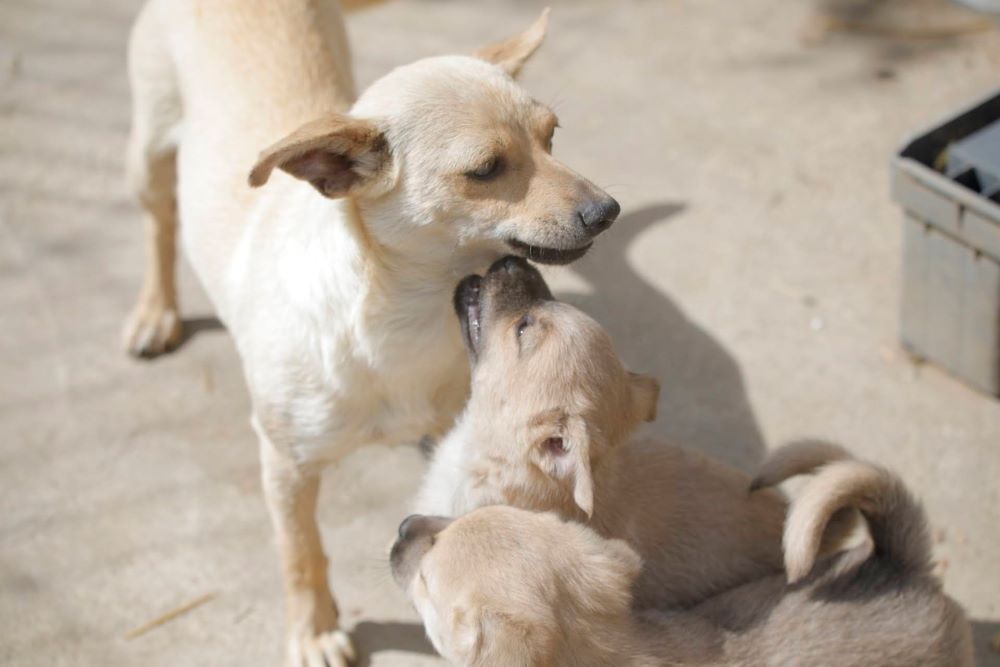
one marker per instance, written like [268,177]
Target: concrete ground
[755,271]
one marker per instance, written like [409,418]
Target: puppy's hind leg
[291,490]
[154,326]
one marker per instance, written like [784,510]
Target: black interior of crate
[975,160]
[930,149]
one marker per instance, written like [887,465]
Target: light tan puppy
[334,279]
[503,587]
[548,428]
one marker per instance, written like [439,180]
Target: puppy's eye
[523,324]
[486,171]
[555,445]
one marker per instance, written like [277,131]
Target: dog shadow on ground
[196,325]
[371,637]
[703,402]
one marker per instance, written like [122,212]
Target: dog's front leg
[291,491]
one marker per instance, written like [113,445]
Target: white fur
[446,488]
[340,307]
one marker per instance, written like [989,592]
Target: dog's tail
[896,521]
[798,457]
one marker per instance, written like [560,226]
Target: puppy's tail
[799,457]
[896,521]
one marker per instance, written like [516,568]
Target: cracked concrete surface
[755,271]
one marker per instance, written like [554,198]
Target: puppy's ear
[509,641]
[511,54]
[337,154]
[583,485]
[629,562]
[465,632]
[645,391]
[609,570]
[575,463]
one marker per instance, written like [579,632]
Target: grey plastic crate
[948,181]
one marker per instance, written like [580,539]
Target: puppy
[335,279]
[506,587]
[547,428]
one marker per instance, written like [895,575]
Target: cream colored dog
[548,428]
[335,279]
[503,587]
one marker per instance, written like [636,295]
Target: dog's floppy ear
[506,640]
[337,154]
[608,571]
[465,634]
[511,54]
[645,392]
[573,464]
[561,449]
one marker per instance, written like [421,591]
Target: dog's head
[547,382]
[503,586]
[453,147]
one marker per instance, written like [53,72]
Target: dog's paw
[333,648]
[151,330]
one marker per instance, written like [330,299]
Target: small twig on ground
[169,616]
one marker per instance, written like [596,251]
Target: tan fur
[506,587]
[511,54]
[334,272]
[842,484]
[358,142]
[796,458]
[691,519]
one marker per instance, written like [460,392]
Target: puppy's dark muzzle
[512,284]
[415,537]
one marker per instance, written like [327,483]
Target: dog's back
[691,519]
[250,66]
[213,83]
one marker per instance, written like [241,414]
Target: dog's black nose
[407,526]
[597,215]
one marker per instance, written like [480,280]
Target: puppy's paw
[333,648]
[151,330]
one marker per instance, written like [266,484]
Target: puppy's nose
[509,264]
[597,215]
[407,527]
[513,264]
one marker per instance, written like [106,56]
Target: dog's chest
[344,352]
[396,386]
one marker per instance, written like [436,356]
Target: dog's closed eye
[487,170]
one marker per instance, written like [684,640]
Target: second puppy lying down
[505,587]
[547,428]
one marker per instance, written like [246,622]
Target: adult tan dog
[548,427]
[503,587]
[335,279]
